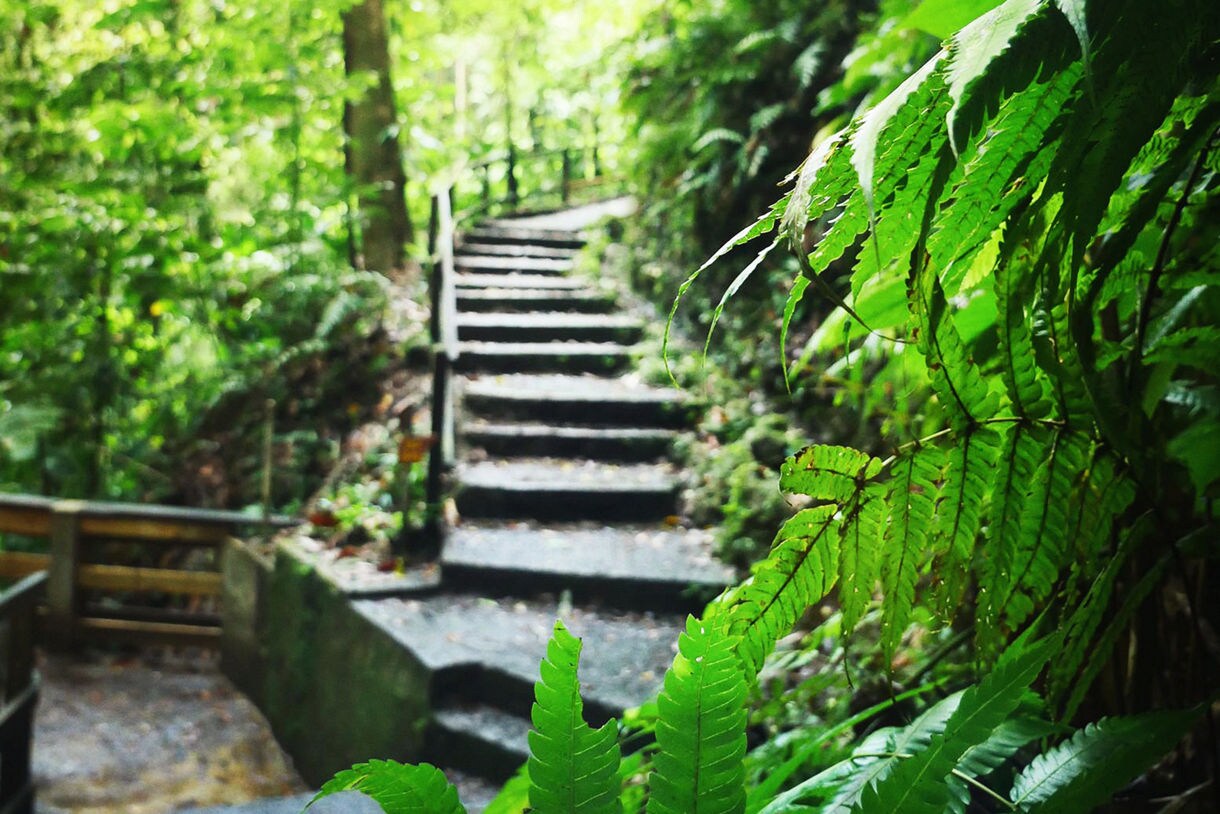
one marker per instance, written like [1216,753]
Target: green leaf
[976,46]
[573,768]
[701,732]
[398,788]
[801,569]
[1082,772]
[921,785]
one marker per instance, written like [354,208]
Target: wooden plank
[149,580]
[30,522]
[150,530]
[151,632]
[18,564]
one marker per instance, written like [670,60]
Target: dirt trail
[150,735]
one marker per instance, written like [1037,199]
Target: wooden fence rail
[77,530]
[20,688]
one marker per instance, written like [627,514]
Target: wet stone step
[498,233]
[514,249]
[586,400]
[478,739]
[548,327]
[543,357]
[529,265]
[506,440]
[622,664]
[622,566]
[534,281]
[524,300]
[562,490]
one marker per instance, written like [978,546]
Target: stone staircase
[567,503]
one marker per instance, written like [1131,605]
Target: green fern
[1082,772]
[911,501]
[701,733]
[573,768]
[398,788]
[921,785]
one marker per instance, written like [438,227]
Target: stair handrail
[445,353]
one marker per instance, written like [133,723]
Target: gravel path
[150,736]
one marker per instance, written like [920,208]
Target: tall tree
[371,148]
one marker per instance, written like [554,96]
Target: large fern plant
[1033,211]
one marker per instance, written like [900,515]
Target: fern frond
[1040,547]
[1082,772]
[973,50]
[828,473]
[801,568]
[573,768]
[957,380]
[881,751]
[992,183]
[1024,450]
[959,510]
[1028,388]
[911,502]
[920,785]
[398,788]
[860,540]
[702,729]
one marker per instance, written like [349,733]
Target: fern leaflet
[398,788]
[702,729]
[573,768]
[1082,772]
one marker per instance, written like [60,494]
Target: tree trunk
[371,147]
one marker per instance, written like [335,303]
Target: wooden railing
[20,687]
[79,533]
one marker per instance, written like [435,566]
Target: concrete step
[478,739]
[532,281]
[472,644]
[505,440]
[624,566]
[533,299]
[543,357]
[548,327]
[514,249]
[501,233]
[490,264]
[585,400]
[558,489]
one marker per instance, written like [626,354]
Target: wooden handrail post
[565,183]
[63,602]
[511,175]
[435,283]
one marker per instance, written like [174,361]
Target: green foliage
[397,788]
[572,767]
[934,764]
[701,733]
[1014,170]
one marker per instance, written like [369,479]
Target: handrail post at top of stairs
[443,326]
